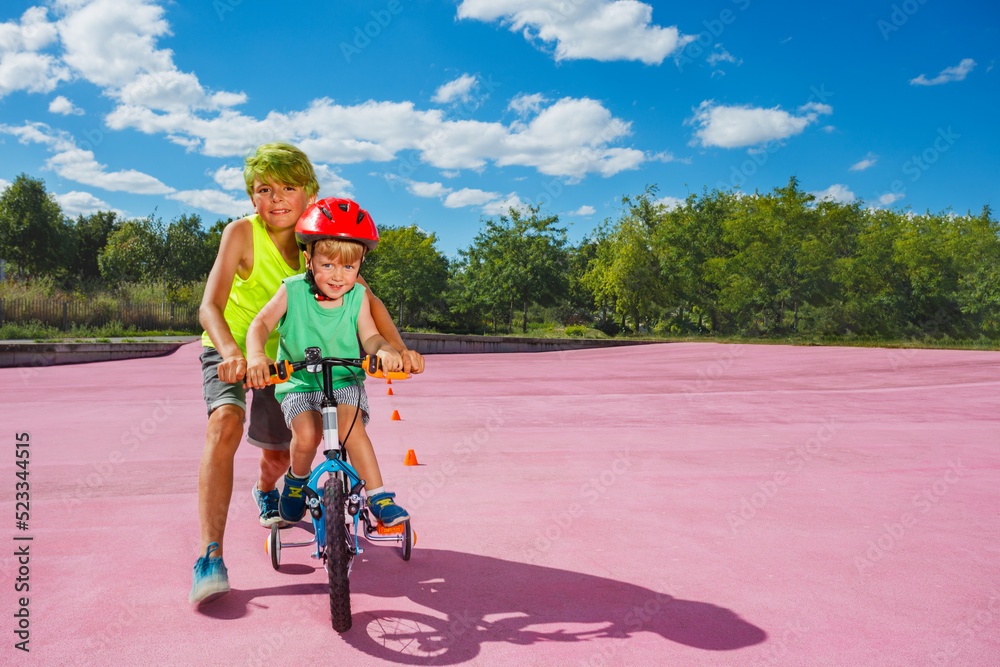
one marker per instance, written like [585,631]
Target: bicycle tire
[337,553]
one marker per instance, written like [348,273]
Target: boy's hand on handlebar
[413,362]
[390,358]
[258,372]
[232,369]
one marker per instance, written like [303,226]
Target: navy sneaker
[292,506]
[386,511]
[211,579]
[267,503]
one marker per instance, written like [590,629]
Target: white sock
[375,492]
[306,476]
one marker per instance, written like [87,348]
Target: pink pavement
[676,504]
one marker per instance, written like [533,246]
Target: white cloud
[869,161]
[469,197]
[670,202]
[215,201]
[32,33]
[3,184]
[30,71]
[571,137]
[110,41]
[723,57]
[460,89]
[584,210]
[836,193]
[947,75]
[21,66]
[890,198]
[77,164]
[503,205]
[230,178]
[82,203]
[738,126]
[63,106]
[422,189]
[331,184]
[584,29]
[525,104]
[173,91]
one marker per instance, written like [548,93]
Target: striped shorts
[293,404]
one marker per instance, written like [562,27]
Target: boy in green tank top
[325,308]
[255,254]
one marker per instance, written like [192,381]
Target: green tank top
[307,324]
[247,297]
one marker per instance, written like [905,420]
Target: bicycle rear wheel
[338,556]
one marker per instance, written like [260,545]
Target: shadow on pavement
[478,599]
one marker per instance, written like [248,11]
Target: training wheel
[409,539]
[273,546]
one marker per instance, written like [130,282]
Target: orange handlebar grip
[280,372]
[374,362]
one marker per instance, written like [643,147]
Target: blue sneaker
[292,506]
[386,511]
[211,579]
[268,505]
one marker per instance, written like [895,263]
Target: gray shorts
[293,404]
[267,424]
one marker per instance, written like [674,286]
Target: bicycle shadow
[481,599]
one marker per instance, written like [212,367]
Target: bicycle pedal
[382,529]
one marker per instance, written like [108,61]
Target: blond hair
[350,252]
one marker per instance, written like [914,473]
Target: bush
[609,327]
[576,330]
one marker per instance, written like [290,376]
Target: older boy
[256,253]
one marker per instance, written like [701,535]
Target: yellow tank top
[247,297]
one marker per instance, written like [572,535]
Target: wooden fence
[64,314]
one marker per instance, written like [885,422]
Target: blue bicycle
[336,504]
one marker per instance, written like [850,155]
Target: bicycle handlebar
[282,371]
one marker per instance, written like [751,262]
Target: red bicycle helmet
[334,218]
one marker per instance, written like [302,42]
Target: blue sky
[442,112]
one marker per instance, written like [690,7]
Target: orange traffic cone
[389,393]
[388,381]
[395,416]
[411,458]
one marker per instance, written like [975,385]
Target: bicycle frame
[336,464]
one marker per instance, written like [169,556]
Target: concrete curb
[14,354]
[50,354]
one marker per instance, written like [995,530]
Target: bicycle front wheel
[338,554]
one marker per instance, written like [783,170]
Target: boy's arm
[373,342]
[413,362]
[263,324]
[237,237]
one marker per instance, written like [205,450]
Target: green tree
[188,255]
[32,232]
[625,270]
[135,252]
[406,271]
[90,236]
[517,260]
